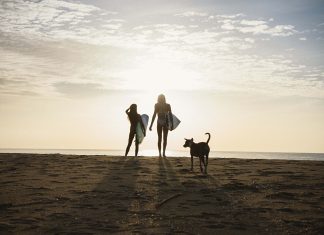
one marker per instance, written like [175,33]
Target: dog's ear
[191,139]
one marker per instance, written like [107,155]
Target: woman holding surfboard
[163,110]
[136,126]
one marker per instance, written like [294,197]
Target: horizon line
[233,151]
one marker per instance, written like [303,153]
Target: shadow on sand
[97,195]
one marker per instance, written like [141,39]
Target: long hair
[132,115]
[161,99]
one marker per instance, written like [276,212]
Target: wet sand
[70,194]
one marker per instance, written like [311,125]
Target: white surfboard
[175,121]
[139,132]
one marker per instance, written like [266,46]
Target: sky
[249,72]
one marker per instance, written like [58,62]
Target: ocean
[177,153]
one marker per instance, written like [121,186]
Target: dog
[200,150]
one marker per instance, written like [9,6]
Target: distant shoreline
[2,150]
[184,153]
[140,156]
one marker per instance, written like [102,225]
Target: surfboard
[175,121]
[139,132]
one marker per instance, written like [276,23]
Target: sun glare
[160,76]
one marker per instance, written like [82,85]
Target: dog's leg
[200,160]
[191,163]
[207,158]
[206,163]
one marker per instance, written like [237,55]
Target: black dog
[198,150]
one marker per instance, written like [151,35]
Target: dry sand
[69,194]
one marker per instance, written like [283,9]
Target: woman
[134,119]
[162,109]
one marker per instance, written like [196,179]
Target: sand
[70,194]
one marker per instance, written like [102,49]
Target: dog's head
[188,143]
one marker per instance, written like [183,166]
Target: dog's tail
[208,137]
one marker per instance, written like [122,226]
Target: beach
[80,194]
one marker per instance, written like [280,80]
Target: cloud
[232,16]
[56,20]
[45,44]
[79,90]
[250,40]
[37,67]
[192,13]
[15,87]
[252,22]
[23,72]
[257,27]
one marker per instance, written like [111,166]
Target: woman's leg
[165,139]
[130,140]
[159,131]
[136,146]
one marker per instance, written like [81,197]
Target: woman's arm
[153,118]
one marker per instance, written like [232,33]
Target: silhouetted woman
[134,119]
[162,109]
